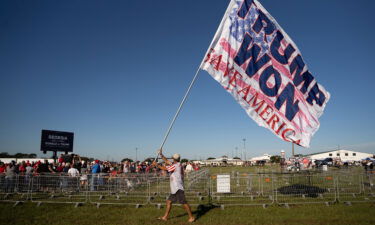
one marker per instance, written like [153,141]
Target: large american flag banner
[255,60]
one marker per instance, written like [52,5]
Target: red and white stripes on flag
[256,61]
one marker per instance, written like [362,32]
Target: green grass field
[338,213]
[88,214]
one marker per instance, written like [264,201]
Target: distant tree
[184,160]
[236,157]
[275,159]
[17,155]
[21,155]
[32,155]
[84,158]
[149,160]
[126,159]
[209,158]
[4,155]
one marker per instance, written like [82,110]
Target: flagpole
[194,79]
[179,108]
[292,149]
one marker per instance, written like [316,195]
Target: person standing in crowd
[84,170]
[189,167]
[95,171]
[76,161]
[45,167]
[61,159]
[60,167]
[138,167]
[132,167]
[148,167]
[29,170]
[96,167]
[73,172]
[22,168]
[126,168]
[66,168]
[28,173]
[10,177]
[176,184]
[2,167]
[196,167]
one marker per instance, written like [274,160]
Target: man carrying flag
[261,67]
[177,185]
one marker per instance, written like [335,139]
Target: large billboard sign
[57,141]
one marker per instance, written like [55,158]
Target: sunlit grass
[88,214]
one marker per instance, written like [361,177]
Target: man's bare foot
[191,220]
[162,218]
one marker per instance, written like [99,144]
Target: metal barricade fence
[359,188]
[125,189]
[57,189]
[350,188]
[304,189]
[369,186]
[200,188]
[197,185]
[245,189]
[159,190]
[14,188]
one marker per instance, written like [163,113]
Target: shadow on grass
[301,189]
[201,211]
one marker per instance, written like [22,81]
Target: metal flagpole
[192,82]
[180,107]
[292,149]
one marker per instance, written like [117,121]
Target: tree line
[17,155]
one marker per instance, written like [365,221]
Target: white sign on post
[223,184]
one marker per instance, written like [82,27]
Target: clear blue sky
[113,72]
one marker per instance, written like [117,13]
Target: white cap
[176,156]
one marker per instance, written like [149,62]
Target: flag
[260,66]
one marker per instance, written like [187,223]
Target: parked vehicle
[326,161]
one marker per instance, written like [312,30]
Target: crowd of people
[73,175]
[76,167]
[86,172]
